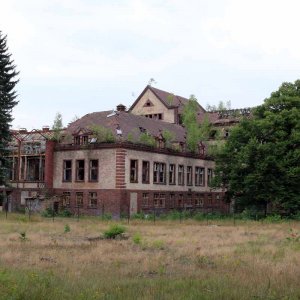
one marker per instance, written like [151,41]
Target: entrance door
[55,207]
[133,203]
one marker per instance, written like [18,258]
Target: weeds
[67,228]
[114,231]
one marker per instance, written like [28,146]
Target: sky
[81,56]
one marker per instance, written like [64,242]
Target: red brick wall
[49,163]
[120,168]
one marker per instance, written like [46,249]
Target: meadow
[219,259]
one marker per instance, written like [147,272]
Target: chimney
[121,107]
[46,128]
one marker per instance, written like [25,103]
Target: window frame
[78,169]
[180,175]
[147,172]
[65,169]
[189,175]
[135,178]
[93,198]
[172,175]
[77,194]
[200,175]
[93,168]
[159,168]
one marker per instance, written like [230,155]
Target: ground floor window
[66,196]
[199,200]
[93,200]
[159,200]
[145,200]
[79,199]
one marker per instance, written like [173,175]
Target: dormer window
[148,103]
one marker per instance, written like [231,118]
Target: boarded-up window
[93,200]
[79,199]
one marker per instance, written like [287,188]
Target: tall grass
[165,260]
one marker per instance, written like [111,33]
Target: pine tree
[7,102]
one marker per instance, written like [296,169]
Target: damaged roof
[128,124]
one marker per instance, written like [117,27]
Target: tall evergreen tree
[8,96]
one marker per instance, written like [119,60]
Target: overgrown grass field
[65,259]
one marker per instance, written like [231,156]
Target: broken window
[209,176]
[35,168]
[93,172]
[159,173]
[80,170]
[79,199]
[133,170]
[93,200]
[145,200]
[172,200]
[181,175]
[145,172]
[172,174]
[189,175]
[66,196]
[180,200]
[159,200]
[199,176]
[67,170]
[199,200]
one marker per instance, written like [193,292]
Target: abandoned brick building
[117,162]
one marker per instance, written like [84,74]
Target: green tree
[8,101]
[195,132]
[260,162]
[57,126]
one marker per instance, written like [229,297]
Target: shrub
[273,219]
[67,228]
[137,238]
[22,236]
[65,213]
[113,231]
[48,213]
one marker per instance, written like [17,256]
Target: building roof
[128,124]
[168,99]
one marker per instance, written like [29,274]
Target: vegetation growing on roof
[102,134]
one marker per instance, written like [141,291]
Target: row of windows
[161,200]
[192,176]
[80,170]
[92,199]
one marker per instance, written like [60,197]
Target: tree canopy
[260,162]
[7,102]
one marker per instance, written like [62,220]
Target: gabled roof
[127,123]
[168,99]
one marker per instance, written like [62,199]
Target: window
[145,200]
[209,199]
[180,200]
[79,199]
[172,200]
[199,200]
[85,139]
[80,170]
[134,170]
[181,175]
[172,174]
[159,173]
[93,173]
[199,176]
[67,170]
[93,201]
[159,200]
[209,175]
[145,172]
[77,140]
[66,196]
[189,200]
[189,175]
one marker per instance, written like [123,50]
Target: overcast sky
[80,56]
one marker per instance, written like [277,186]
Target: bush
[273,219]
[48,213]
[113,231]
[67,228]
[65,213]
[137,238]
